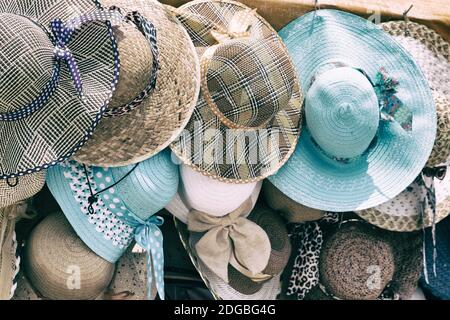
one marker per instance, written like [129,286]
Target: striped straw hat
[157,90]
[59,70]
[248,117]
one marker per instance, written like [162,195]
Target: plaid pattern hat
[248,118]
[58,71]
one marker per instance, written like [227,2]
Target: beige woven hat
[13,191]
[248,118]
[9,261]
[292,211]
[60,266]
[145,119]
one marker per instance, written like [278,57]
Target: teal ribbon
[148,235]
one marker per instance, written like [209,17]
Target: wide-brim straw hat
[131,194]
[60,266]
[348,258]
[160,117]
[438,283]
[9,259]
[349,160]
[180,208]
[45,117]
[12,192]
[249,90]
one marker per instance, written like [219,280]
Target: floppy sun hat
[12,192]
[248,117]
[59,69]
[109,207]
[157,90]
[369,114]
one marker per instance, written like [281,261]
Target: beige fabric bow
[231,239]
[8,218]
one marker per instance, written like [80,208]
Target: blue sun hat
[111,207]
[436,276]
[369,114]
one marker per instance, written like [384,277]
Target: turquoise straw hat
[110,207]
[369,113]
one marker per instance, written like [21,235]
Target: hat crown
[248,81]
[342,112]
[26,64]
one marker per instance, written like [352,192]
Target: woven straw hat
[60,266]
[248,117]
[54,87]
[109,207]
[353,260]
[9,261]
[145,120]
[12,192]
[432,53]
[292,211]
[437,283]
[370,114]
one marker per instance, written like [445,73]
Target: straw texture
[247,82]
[27,186]
[148,129]
[53,253]
[63,124]
[395,157]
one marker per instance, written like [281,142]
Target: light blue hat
[369,113]
[109,207]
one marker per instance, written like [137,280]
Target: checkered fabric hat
[249,92]
[58,70]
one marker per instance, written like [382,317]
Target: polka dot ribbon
[148,235]
[150,33]
[63,33]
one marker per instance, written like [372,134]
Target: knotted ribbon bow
[231,239]
[63,33]
[148,235]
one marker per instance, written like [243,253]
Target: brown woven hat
[9,261]
[360,262]
[60,266]
[292,211]
[248,118]
[144,120]
[13,191]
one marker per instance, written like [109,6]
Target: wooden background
[433,13]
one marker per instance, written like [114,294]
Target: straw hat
[292,211]
[146,116]
[352,259]
[260,250]
[370,114]
[9,260]
[60,266]
[109,207]
[52,95]
[437,283]
[209,195]
[248,117]
[13,191]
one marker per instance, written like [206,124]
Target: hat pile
[123,108]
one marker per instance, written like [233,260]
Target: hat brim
[137,135]
[395,157]
[220,289]
[27,186]
[56,131]
[285,126]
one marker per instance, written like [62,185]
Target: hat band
[391,108]
[61,36]
[150,33]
